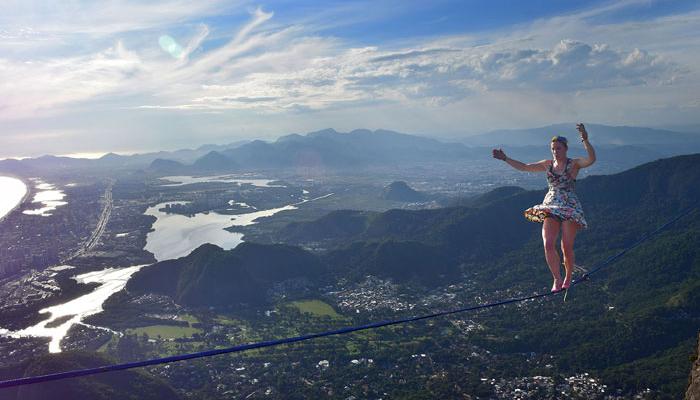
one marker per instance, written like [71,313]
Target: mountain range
[603,135]
[331,149]
[632,323]
[491,224]
[364,149]
[635,323]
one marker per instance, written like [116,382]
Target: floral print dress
[560,201]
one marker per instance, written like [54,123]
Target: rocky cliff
[693,392]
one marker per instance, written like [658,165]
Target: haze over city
[88,77]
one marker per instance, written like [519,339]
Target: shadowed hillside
[213,276]
[634,323]
[132,384]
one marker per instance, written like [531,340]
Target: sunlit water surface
[187,180]
[173,236]
[13,190]
[177,235]
[111,280]
[48,196]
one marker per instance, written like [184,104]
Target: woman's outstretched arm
[588,161]
[520,166]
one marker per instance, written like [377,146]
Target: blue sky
[127,76]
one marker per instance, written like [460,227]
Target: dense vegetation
[633,325]
[132,384]
[211,276]
[400,191]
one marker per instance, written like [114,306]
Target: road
[100,228]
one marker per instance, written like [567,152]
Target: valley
[190,263]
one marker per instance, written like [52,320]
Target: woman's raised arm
[588,161]
[521,166]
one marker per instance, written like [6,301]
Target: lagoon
[188,180]
[176,235]
[50,197]
[173,236]
[111,280]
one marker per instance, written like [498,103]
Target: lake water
[13,190]
[187,180]
[111,280]
[48,196]
[173,236]
[177,235]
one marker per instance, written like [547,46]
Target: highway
[100,228]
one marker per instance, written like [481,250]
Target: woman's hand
[582,131]
[588,161]
[499,154]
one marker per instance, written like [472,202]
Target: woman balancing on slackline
[561,209]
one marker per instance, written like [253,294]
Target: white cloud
[436,75]
[32,87]
[282,70]
[104,18]
[563,67]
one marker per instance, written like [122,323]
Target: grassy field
[315,307]
[191,319]
[224,320]
[165,331]
[111,341]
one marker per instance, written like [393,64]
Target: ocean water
[172,236]
[13,190]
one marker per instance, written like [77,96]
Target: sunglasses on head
[560,139]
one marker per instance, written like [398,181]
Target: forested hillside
[633,324]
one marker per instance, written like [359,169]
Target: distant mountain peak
[323,132]
[293,137]
[165,165]
[599,135]
[214,161]
[400,191]
[244,274]
[111,156]
[362,131]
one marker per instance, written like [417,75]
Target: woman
[560,210]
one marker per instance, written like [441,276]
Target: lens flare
[170,46]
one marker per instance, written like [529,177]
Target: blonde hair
[560,139]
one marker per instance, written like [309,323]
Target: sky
[132,76]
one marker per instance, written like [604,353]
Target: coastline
[27,194]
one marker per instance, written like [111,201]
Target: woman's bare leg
[568,234]
[550,231]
